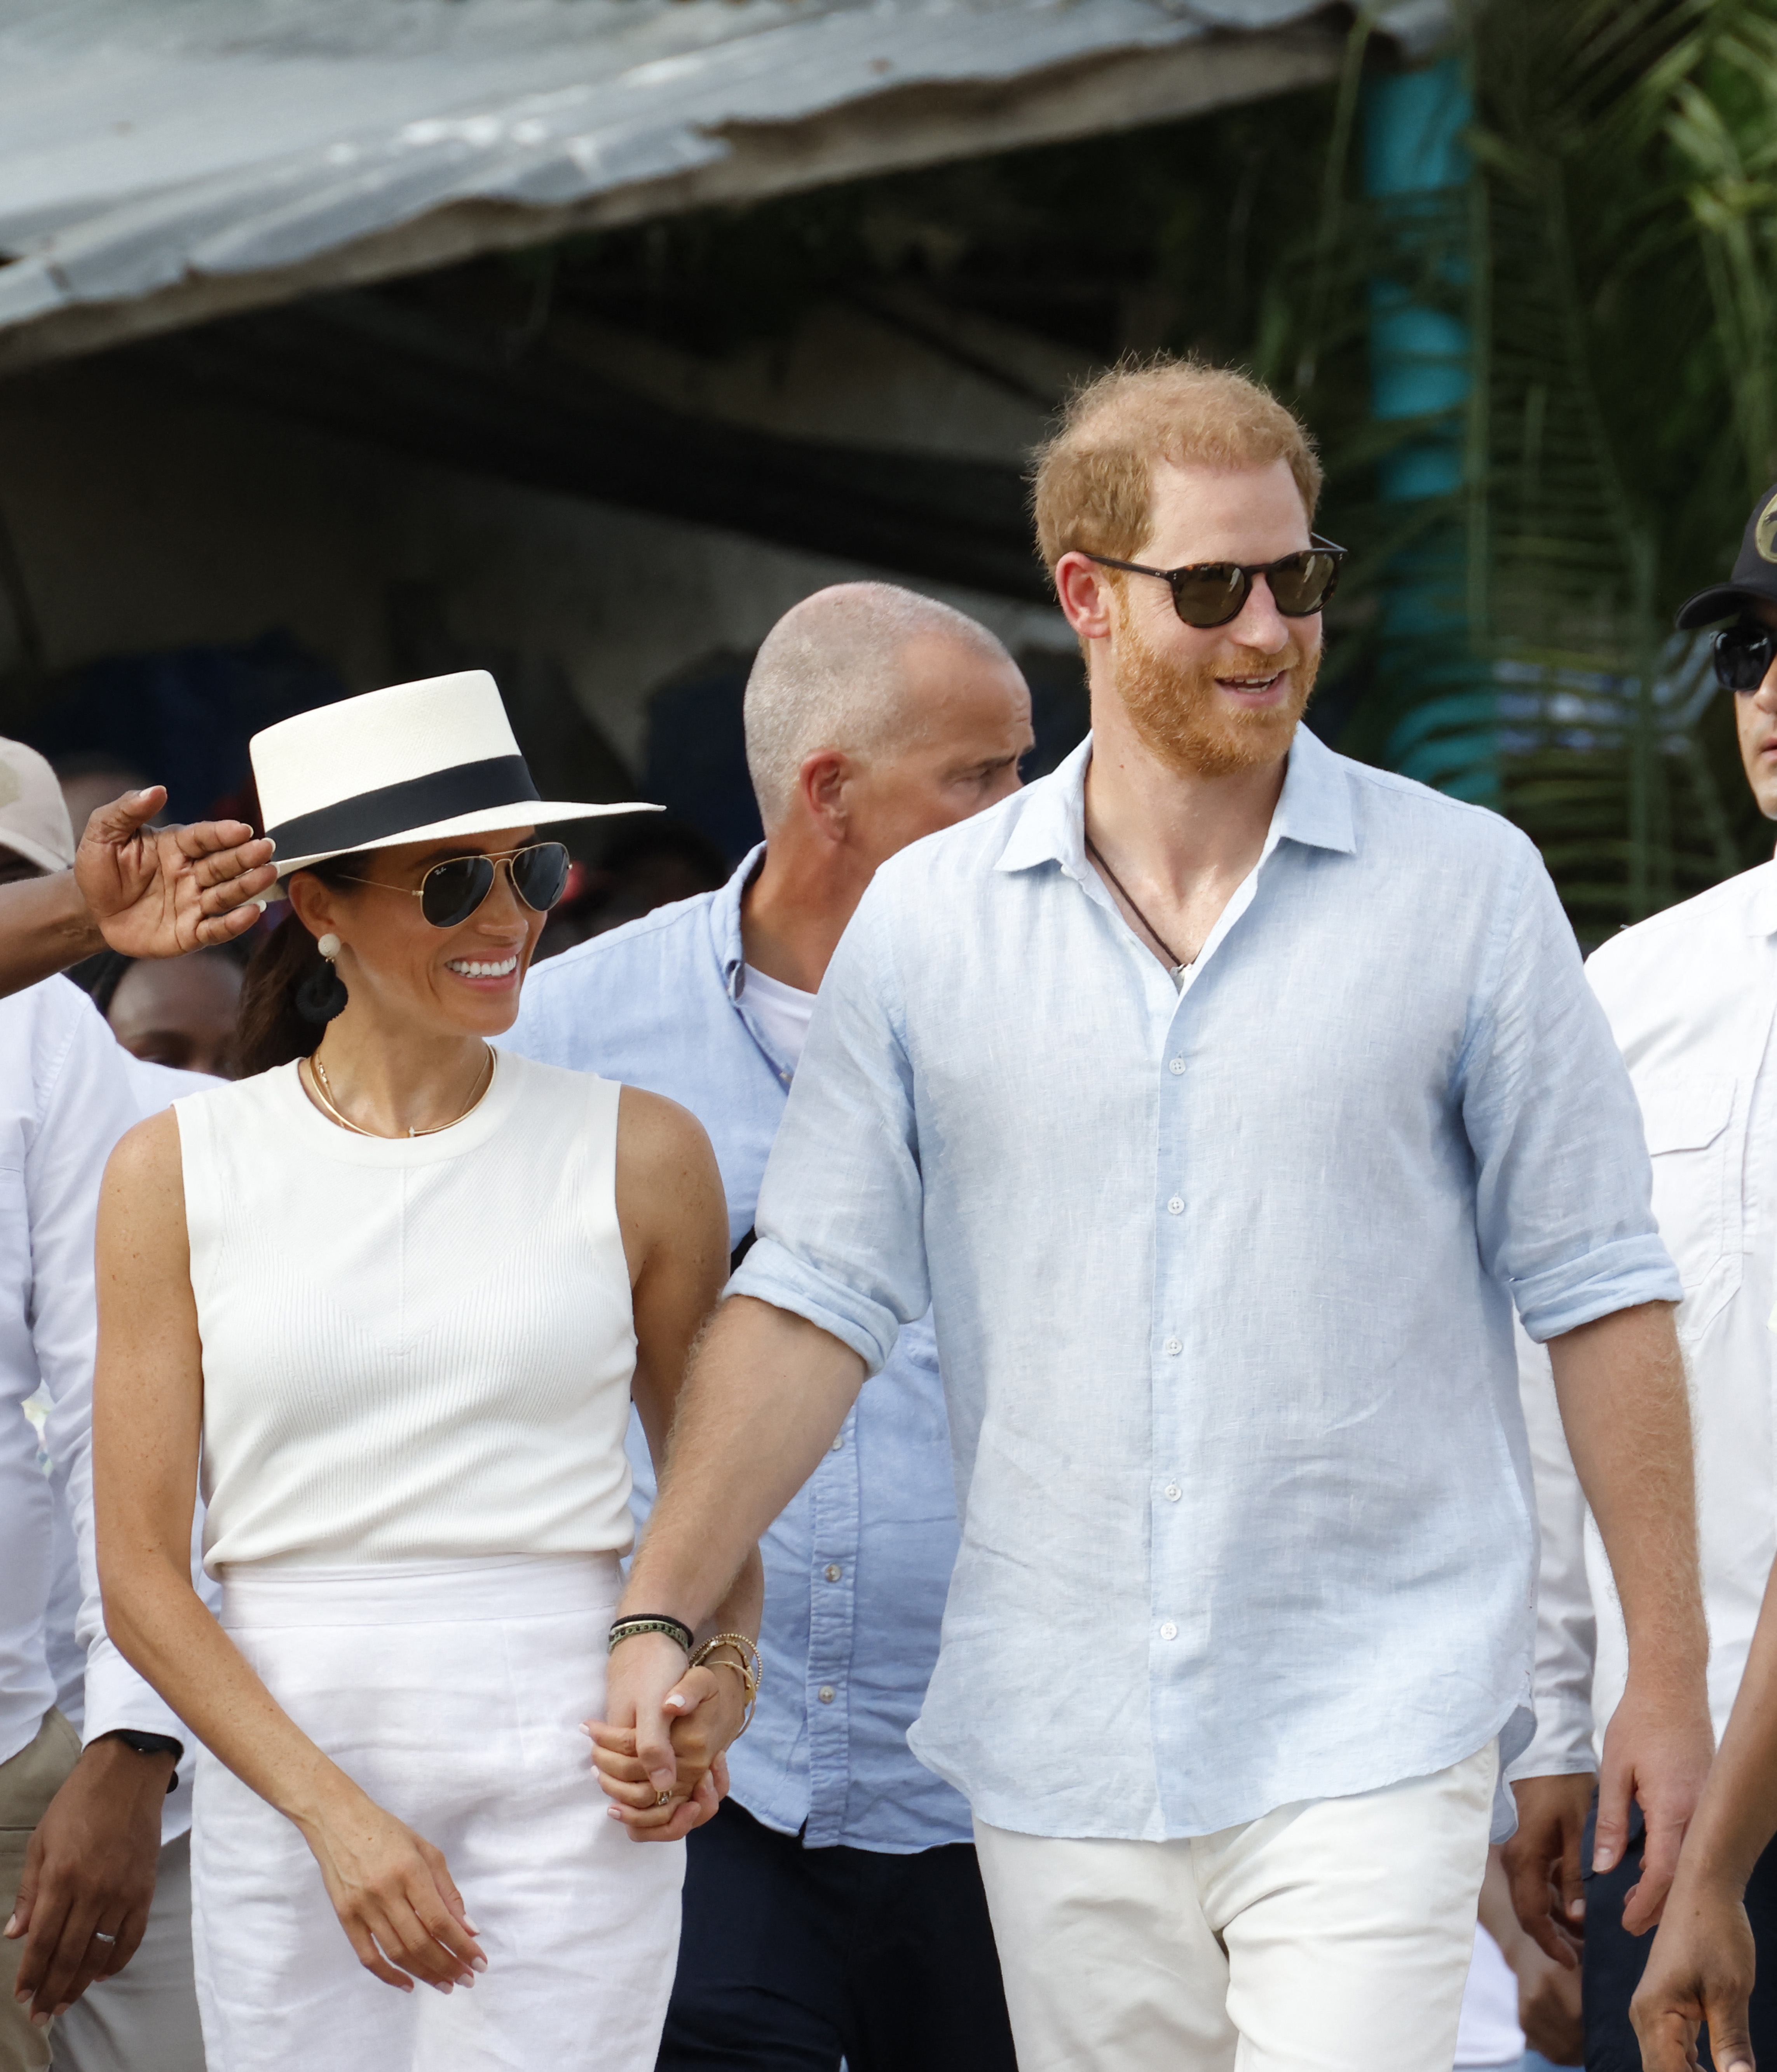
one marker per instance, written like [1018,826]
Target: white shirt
[1692,999]
[782,1012]
[82,1653]
[65,1099]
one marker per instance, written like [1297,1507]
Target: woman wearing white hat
[400,1288]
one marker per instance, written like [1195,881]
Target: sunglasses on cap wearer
[1212,592]
[1742,654]
[450,891]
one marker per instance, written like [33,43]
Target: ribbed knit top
[413,1348]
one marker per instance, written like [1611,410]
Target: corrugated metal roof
[161,160]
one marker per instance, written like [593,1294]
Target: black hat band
[392,811]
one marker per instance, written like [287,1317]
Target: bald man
[832,1908]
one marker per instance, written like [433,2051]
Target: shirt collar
[724,921]
[1314,808]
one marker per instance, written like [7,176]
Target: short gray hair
[828,675]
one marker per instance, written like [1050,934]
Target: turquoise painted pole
[1414,160]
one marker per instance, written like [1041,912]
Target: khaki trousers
[145,2019]
[28,1781]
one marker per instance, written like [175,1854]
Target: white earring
[330,946]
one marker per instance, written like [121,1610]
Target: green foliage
[1612,256]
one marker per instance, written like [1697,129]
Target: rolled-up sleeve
[840,1220]
[1563,1186]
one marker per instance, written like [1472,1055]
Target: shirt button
[1172,1492]
[1175,1346]
[839,1443]
[834,1572]
[1168,1630]
[1176,1067]
[1175,1206]
[826,1694]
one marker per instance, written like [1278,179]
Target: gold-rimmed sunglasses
[450,891]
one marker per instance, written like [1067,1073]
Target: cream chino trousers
[1330,1936]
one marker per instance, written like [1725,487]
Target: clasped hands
[660,1750]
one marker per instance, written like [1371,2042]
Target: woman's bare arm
[390,1888]
[675,1221]
[1702,1963]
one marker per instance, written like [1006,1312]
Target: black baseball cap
[1754,571]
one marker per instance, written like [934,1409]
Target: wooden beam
[895,131]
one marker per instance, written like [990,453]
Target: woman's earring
[322,994]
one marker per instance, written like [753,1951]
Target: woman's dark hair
[272,1029]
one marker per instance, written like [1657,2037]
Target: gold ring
[663,1798]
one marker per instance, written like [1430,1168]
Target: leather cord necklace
[1177,964]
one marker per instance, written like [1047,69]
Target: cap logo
[1764,534]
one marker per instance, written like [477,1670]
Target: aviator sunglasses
[1742,654]
[450,891]
[1212,593]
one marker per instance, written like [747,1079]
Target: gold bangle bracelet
[750,1668]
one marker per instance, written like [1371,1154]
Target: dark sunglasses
[1742,654]
[450,891]
[1214,592]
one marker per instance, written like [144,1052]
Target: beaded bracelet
[629,1629]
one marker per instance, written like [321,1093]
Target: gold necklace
[317,1073]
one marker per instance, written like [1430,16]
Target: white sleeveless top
[413,1348]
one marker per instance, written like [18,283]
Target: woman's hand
[1700,1969]
[394,1896]
[702,1713]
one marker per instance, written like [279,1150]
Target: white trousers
[144,2020]
[1330,1936]
[454,1695]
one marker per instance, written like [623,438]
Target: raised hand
[158,892]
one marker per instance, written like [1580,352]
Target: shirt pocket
[1696,1189]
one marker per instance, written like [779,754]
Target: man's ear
[821,782]
[1084,591]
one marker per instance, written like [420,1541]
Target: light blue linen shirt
[857,1567]
[1223,1280]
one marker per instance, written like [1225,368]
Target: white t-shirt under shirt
[782,1012]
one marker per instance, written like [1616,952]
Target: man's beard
[1183,720]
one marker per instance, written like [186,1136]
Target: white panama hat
[415,763]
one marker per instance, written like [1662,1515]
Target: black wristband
[149,1744]
[640,1622]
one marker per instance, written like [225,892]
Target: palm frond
[1613,256]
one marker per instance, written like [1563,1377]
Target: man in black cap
[1692,998]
